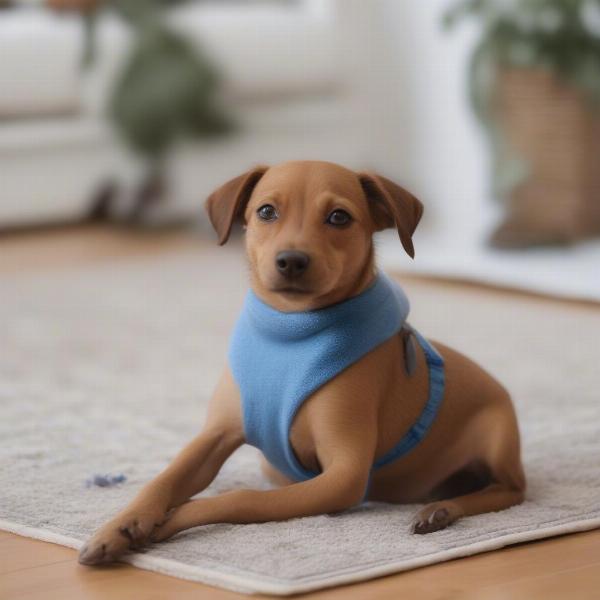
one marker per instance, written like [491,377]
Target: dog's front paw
[434,517]
[127,532]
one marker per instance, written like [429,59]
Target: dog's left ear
[392,206]
[227,203]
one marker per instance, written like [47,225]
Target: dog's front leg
[345,445]
[193,469]
[190,472]
[337,488]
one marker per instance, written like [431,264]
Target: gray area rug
[108,370]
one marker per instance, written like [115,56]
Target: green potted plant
[166,90]
[535,85]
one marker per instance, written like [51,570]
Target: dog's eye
[339,218]
[267,212]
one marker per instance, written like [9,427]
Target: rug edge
[248,585]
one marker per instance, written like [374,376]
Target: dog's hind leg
[507,480]
[439,515]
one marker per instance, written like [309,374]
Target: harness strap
[418,431]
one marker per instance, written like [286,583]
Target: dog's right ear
[227,203]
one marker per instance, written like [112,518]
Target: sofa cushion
[40,56]
[263,48]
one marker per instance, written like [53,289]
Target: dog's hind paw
[433,518]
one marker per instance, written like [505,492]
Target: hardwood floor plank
[88,245]
[67,579]
[53,580]
[18,553]
[579,584]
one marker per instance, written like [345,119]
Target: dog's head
[309,228]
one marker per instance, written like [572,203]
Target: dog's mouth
[292,290]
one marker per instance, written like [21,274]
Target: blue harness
[280,359]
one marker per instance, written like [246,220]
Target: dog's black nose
[291,263]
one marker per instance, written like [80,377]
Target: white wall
[446,155]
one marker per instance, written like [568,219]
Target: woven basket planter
[78,5]
[554,128]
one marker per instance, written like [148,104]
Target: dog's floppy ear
[392,206]
[227,203]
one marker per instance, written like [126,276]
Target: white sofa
[299,74]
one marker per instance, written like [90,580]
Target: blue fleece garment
[280,359]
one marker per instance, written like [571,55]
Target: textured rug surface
[108,370]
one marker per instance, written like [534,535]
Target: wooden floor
[560,568]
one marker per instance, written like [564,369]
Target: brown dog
[322,217]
